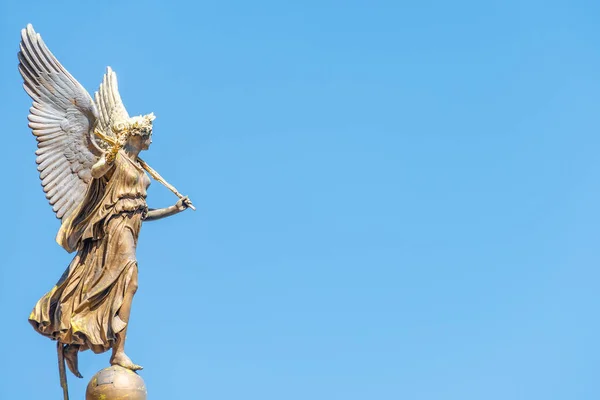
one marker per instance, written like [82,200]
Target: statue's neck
[131,151]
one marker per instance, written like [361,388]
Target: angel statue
[88,162]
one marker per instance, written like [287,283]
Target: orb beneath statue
[115,383]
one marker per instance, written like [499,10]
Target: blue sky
[396,200]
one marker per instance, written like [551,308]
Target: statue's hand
[183,203]
[111,154]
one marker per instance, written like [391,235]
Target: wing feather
[59,206]
[47,171]
[62,118]
[47,159]
[36,114]
[57,170]
[47,134]
[50,194]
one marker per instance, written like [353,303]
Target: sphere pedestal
[116,383]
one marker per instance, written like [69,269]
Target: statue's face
[141,142]
[146,141]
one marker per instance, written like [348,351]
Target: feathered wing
[62,118]
[110,107]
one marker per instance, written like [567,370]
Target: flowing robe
[83,307]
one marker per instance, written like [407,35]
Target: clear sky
[396,200]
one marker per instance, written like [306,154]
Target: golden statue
[90,170]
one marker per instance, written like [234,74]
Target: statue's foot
[124,361]
[70,352]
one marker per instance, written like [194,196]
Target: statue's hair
[139,125]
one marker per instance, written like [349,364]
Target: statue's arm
[154,214]
[102,166]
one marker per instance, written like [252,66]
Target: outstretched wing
[109,104]
[62,118]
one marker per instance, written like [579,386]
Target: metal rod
[61,370]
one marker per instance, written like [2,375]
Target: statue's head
[137,131]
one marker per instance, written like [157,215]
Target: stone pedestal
[116,383]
